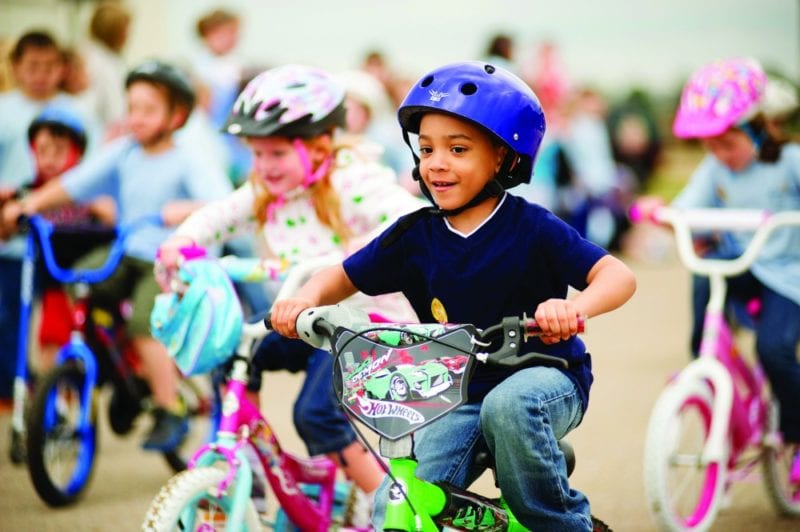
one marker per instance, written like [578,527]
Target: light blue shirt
[773,187]
[142,183]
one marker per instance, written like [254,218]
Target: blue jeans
[777,332]
[520,422]
[10,270]
[318,418]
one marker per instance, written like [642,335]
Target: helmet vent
[427,81]
[469,89]
[489,69]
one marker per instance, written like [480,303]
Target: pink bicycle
[715,422]
[214,493]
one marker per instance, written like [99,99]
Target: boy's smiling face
[457,159]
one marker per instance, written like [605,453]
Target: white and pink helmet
[294,101]
[718,96]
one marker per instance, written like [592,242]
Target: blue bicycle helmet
[201,327]
[488,96]
[60,119]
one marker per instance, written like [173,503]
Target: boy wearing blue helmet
[480,254]
[58,139]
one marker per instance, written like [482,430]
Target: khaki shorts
[132,280]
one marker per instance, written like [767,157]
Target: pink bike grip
[193,252]
[531,328]
[635,213]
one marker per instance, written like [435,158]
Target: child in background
[58,140]
[37,65]
[479,255]
[748,166]
[146,174]
[308,197]
[105,66]
[216,64]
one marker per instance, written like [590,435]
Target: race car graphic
[405,382]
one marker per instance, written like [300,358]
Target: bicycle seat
[485,459]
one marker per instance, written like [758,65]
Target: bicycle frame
[415,504]
[242,424]
[741,410]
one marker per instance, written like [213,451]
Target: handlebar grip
[268,322]
[531,328]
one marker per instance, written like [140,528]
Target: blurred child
[108,32]
[146,174]
[748,166]
[481,254]
[37,66]
[217,64]
[308,197]
[58,140]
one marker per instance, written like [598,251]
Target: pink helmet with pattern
[718,96]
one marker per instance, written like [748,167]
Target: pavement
[634,350]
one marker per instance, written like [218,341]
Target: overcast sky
[612,43]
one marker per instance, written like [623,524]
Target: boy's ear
[502,151]
[178,117]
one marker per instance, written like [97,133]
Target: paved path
[634,350]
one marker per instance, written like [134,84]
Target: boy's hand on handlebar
[558,319]
[9,214]
[284,315]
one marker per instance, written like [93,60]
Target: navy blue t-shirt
[521,256]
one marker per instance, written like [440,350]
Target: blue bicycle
[60,426]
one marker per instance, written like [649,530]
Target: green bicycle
[366,352]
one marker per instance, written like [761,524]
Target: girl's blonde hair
[324,198]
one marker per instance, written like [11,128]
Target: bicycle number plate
[397,380]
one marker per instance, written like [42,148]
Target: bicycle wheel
[60,450]
[776,462]
[203,407]
[189,501]
[683,491]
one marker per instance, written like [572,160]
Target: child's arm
[325,287]
[610,284]
[51,195]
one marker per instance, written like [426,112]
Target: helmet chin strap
[311,175]
[492,189]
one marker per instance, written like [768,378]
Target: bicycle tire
[682,415]
[776,463]
[54,433]
[179,503]
[203,410]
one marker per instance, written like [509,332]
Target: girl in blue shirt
[748,166]
[477,255]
